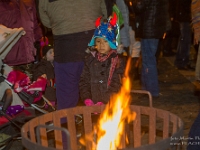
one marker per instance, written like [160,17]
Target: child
[45,69]
[103,69]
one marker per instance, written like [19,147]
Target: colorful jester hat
[108,30]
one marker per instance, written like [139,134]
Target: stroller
[21,106]
[26,95]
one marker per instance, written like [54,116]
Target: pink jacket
[21,13]
[21,82]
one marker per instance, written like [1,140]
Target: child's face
[102,45]
[50,55]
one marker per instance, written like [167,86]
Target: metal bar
[144,92]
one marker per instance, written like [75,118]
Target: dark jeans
[149,66]
[183,49]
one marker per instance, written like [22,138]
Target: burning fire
[111,124]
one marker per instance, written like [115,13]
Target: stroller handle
[10,84]
[3,78]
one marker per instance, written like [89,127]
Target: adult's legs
[183,49]
[159,48]
[167,47]
[149,66]
[69,55]
[68,65]
[67,83]
[67,87]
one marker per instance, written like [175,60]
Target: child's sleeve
[38,70]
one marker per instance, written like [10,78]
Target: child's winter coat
[45,67]
[101,77]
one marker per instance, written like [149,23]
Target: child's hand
[99,103]
[88,102]
[44,76]
[17,88]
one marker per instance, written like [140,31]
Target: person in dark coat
[151,22]
[45,69]
[170,41]
[194,135]
[103,69]
[109,6]
[183,16]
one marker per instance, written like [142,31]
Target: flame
[111,124]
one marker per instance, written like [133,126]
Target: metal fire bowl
[163,130]
[169,121]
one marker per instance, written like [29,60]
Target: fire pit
[152,129]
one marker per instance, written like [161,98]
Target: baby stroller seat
[8,38]
[26,92]
[10,125]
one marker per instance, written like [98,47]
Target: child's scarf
[114,61]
